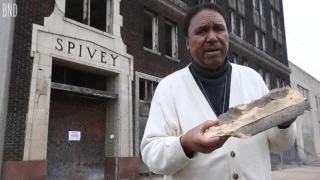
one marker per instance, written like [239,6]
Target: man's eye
[201,31]
[220,29]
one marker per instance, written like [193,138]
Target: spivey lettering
[91,52]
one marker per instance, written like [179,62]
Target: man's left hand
[286,124]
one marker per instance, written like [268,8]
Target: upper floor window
[261,7]
[279,82]
[205,1]
[150,30]
[233,22]
[255,4]
[171,39]
[317,101]
[242,28]
[235,58]
[273,19]
[278,22]
[260,71]
[245,62]
[268,81]
[94,13]
[256,37]
[304,92]
[264,44]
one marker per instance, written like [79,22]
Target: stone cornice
[178,5]
[262,56]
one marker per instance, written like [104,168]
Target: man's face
[207,39]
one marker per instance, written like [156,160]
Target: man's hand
[194,141]
[286,124]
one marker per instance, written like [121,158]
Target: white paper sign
[74,135]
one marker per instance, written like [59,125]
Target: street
[297,173]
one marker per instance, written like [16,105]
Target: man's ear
[187,44]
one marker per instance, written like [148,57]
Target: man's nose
[211,37]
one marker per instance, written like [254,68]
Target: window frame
[233,22]
[155,29]
[242,28]
[264,42]
[109,20]
[174,39]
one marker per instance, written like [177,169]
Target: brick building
[152,31]
[91,68]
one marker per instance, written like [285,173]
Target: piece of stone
[276,107]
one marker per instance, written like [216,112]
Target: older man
[188,101]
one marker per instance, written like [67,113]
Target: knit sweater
[179,105]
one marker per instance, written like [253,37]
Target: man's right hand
[194,141]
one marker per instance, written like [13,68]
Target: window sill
[87,27]
[152,51]
[172,58]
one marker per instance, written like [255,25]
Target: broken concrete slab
[276,107]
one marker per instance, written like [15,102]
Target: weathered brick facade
[29,12]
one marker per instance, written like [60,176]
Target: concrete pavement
[297,173]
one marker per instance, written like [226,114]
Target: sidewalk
[297,173]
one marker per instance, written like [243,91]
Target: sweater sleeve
[160,148]
[279,140]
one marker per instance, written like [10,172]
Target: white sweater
[179,105]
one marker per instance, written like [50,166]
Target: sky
[302,25]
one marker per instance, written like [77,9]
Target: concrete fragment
[276,107]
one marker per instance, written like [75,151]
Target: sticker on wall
[74,135]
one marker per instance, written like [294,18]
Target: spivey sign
[80,50]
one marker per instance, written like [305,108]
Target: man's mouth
[212,51]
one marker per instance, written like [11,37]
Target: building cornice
[260,55]
[177,5]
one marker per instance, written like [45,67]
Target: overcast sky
[302,23]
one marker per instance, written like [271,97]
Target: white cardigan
[179,105]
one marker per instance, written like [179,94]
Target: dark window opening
[89,12]
[98,14]
[78,78]
[168,28]
[142,92]
[148,30]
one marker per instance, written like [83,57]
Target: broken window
[74,77]
[95,13]
[146,89]
[150,30]
[171,39]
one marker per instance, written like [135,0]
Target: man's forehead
[207,17]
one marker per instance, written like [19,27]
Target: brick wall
[29,12]
[132,34]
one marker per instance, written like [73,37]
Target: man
[188,101]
